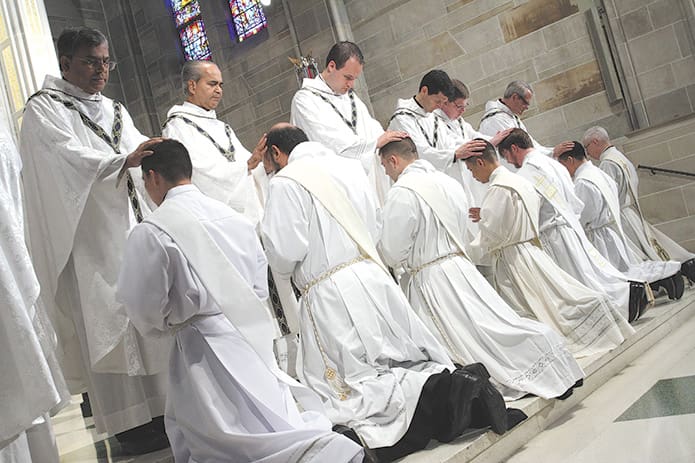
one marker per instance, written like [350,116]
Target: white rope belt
[330,272]
[416,270]
[174,329]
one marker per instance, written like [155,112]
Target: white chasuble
[425,219]
[78,218]
[648,241]
[342,122]
[362,349]
[195,269]
[562,235]
[531,281]
[31,383]
[600,218]
[219,159]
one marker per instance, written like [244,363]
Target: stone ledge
[489,447]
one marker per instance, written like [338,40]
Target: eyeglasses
[97,63]
[462,107]
[523,100]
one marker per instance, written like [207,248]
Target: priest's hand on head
[134,159]
[389,136]
[499,136]
[258,153]
[469,149]
[562,147]
[474,214]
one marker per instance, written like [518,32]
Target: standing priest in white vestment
[647,240]
[327,109]
[425,231]
[601,219]
[76,144]
[195,270]
[370,358]
[222,168]
[526,276]
[31,382]
[561,233]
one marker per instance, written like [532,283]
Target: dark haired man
[77,148]
[561,233]
[195,269]
[426,232]
[376,366]
[330,113]
[601,220]
[527,277]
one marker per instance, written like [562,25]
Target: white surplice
[498,117]
[456,302]
[223,403]
[31,383]
[529,279]
[216,175]
[78,217]
[329,126]
[646,239]
[354,319]
[562,235]
[600,218]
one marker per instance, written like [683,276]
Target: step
[487,447]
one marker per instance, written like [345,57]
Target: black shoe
[146,438]
[679,285]
[514,417]
[85,406]
[637,299]
[688,269]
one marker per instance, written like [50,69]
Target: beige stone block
[467,69]
[534,15]
[381,73]
[684,71]
[482,15]
[689,245]
[422,56]
[654,183]
[657,81]
[269,108]
[519,52]
[454,5]
[669,106]
[636,23]
[587,110]
[651,155]
[625,6]
[569,86]
[547,126]
[473,9]
[684,37]
[407,20]
[384,101]
[654,49]
[558,57]
[664,206]
[360,11]
[481,37]
[492,86]
[683,147]
[681,230]
[566,30]
[664,12]
[689,197]
[377,46]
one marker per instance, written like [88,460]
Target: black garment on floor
[145,438]
[450,403]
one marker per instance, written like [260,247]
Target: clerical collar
[329,87]
[607,148]
[63,86]
[417,102]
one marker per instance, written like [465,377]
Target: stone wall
[667,201]
[656,49]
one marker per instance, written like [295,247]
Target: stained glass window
[189,24]
[248,18]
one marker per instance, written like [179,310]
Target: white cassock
[465,132]
[435,143]
[224,403]
[78,217]
[342,122]
[455,301]
[562,235]
[647,240]
[214,171]
[498,117]
[31,384]
[601,219]
[529,279]
[354,319]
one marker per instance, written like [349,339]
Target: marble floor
[644,412]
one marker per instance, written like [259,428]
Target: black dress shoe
[637,298]
[688,269]
[146,438]
[679,285]
[85,406]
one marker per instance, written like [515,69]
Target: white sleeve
[592,199]
[441,159]
[399,226]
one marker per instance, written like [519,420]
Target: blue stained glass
[248,18]
[185,10]
[189,24]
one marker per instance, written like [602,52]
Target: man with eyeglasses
[78,148]
[506,112]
